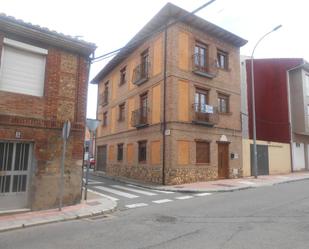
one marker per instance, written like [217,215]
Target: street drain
[166,219]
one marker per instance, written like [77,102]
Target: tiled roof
[16,26]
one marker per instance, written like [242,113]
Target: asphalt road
[267,217]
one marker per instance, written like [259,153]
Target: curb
[60,219]
[122,180]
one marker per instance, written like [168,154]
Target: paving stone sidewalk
[94,206]
[225,185]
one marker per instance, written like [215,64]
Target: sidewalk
[95,205]
[225,185]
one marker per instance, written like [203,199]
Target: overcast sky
[111,23]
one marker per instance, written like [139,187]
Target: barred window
[120,152]
[142,151]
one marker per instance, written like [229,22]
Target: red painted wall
[271,98]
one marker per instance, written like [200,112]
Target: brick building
[43,82]
[172,122]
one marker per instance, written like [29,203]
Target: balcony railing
[205,114]
[140,117]
[141,73]
[204,67]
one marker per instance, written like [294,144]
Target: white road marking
[184,197]
[116,192]
[136,205]
[162,191]
[247,182]
[154,190]
[100,194]
[203,194]
[162,201]
[94,182]
[134,190]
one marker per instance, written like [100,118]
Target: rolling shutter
[22,68]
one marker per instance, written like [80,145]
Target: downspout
[164,107]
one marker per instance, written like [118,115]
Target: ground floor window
[142,151]
[120,152]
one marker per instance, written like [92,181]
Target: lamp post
[255,166]
[92,125]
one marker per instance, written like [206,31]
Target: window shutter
[22,71]
[202,152]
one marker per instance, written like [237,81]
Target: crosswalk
[127,194]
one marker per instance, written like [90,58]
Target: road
[267,217]
[129,196]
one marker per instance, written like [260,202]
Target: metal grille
[14,165]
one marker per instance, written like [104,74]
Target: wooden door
[223,160]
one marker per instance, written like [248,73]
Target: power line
[134,43]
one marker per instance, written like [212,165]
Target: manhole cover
[166,219]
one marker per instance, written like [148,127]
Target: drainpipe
[290,115]
[164,106]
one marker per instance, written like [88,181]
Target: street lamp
[255,166]
[92,125]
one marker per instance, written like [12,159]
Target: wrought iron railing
[141,73]
[140,117]
[205,114]
[203,66]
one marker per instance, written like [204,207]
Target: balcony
[104,99]
[203,67]
[205,114]
[141,73]
[140,117]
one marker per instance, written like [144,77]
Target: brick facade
[40,119]
[179,112]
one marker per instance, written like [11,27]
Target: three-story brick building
[170,103]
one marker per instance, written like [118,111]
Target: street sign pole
[65,135]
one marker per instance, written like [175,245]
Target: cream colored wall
[278,155]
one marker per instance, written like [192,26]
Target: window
[105,119]
[105,93]
[123,76]
[142,151]
[201,100]
[120,152]
[22,68]
[223,103]
[121,112]
[222,59]
[202,152]
[200,56]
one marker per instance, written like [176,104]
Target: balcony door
[144,63]
[200,56]
[201,100]
[144,108]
